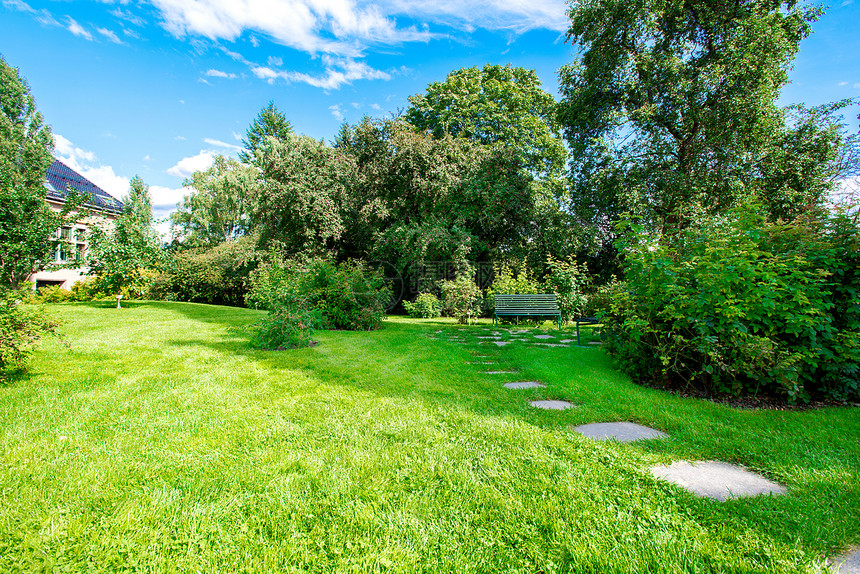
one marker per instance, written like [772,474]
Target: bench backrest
[527,304]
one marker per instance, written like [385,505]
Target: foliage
[124,258]
[345,295]
[27,224]
[269,123]
[20,330]
[509,281]
[671,104]
[425,306]
[288,325]
[217,210]
[461,297]
[743,306]
[54,294]
[305,186]
[215,275]
[567,280]
[495,105]
[416,198]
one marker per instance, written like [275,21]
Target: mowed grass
[158,441]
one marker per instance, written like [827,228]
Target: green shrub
[347,295]
[287,326]
[509,281]
[53,294]
[426,306]
[215,275]
[740,306]
[20,331]
[462,297]
[87,289]
[568,281]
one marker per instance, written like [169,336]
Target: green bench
[538,305]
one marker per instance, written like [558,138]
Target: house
[102,210]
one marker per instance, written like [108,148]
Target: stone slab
[620,431]
[552,405]
[848,563]
[718,480]
[501,343]
[524,385]
[500,372]
[544,337]
[567,341]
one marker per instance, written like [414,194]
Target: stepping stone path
[481,363]
[552,405]
[621,431]
[551,345]
[501,343]
[718,480]
[567,341]
[847,563]
[544,337]
[499,372]
[488,337]
[524,385]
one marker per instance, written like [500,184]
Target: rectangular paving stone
[718,480]
[524,385]
[620,431]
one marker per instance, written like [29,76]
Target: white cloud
[335,111]
[842,84]
[109,34]
[78,30]
[219,143]
[517,16]
[179,138]
[275,61]
[237,136]
[338,71]
[189,165]
[85,163]
[128,16]
[213,73]
[376,107]
[313,26]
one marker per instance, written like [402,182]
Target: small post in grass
[118,299]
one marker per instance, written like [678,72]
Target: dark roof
[60,177]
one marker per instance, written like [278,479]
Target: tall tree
[270,122]
[121,256]
[27,224]
[670,102]
[217,210]
[495,105]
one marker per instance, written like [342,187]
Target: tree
[495,105]
[217,209]
[120,257]
[305,183]
[27,224]
[270,122]
[670,103]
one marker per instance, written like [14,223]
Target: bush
[347,295]
[20,331]
[462,297]
[426,306]
[53,294]
[741,307]
[507,281]
[287,326]
[567,280]
[215,275]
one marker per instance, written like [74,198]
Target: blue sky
[157,88]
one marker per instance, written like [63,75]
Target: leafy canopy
[270,122]
[217,209]
[121,256]
[670,102]
[27,224]
[497,104]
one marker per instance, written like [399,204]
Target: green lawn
[158,441]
